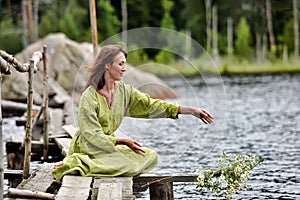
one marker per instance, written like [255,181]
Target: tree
[215,33]
[68,17]
[259,28]
[296,28]
[167,22]
[243,40]
[270,26]
[108,23]
[10,36]
[124,20]
[193,18]
[229,37]
[208,24]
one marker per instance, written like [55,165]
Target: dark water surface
[261,116]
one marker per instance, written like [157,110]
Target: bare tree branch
[36,57]
[5,66]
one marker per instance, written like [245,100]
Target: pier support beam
[163,191]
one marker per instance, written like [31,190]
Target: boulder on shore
[66,60]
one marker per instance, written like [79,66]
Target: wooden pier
[42,185]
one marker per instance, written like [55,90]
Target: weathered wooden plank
[70,129]
[56,121]
[75,188]
[161,178]
[15,108]
[13,174]
[108,191]
[40,179]
[70,193]
[81,181]
[63,144]
[161,185]
[126,189]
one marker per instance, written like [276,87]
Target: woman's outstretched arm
[197,112]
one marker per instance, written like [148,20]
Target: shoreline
[226,70]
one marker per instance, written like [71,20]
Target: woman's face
[117,68]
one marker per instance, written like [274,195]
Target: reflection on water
[262,117]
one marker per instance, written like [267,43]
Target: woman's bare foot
[58,164]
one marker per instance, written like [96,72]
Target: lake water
[261,116]
[257,115]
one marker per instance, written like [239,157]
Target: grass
[224,68]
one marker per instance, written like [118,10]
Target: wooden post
[94,25]
[27,139]
[161,191]
[1,147]
[30,20]
[45,105]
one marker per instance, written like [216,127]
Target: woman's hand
[197,112]
[204,116]
[132,144]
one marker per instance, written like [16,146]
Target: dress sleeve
[142,106]
[91,133]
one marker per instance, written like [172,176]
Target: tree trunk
[124,20]
[30,20]
[1,147]
[215,32]
[35,20]
[25,23]
[188,44]
[9,11]
[285,55]
[258,50]
[270,26]
[296,28]
[93,19]
[208,24]
[264,48]
[229,37]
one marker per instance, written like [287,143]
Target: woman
[94,150]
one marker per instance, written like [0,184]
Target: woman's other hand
[132,144]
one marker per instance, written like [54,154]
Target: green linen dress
[93,150]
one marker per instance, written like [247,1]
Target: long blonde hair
[106,56]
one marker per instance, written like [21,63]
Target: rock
[66,59]
[148,83]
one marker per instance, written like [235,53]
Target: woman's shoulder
[124,86]
[88,93]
